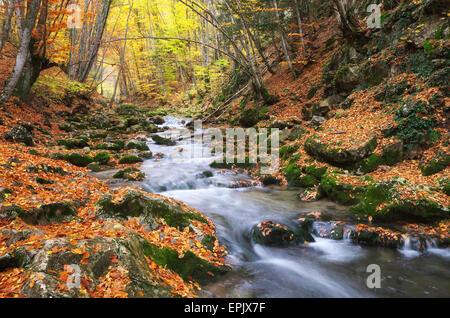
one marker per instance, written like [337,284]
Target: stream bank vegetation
[363,115]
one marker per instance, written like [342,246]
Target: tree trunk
[99,28]
[284,43]
[7,25]
[299,21]
[122,58]
[24,50]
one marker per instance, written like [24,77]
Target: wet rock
[309,110]
[328,104]
[20,134]
[163,141]
[158,120]
[146,155]
[282,124]
[275,234]
[268,179]
[206,174]
[77,143]
[330,230]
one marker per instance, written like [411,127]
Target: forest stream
[325,268]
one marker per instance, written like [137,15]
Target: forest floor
[39,173]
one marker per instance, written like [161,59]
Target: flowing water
[325,268]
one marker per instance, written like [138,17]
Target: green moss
[423,210]
[189,267]
[373,196]
[342,193]
[102,157]
[77,143]
[130,159]
[208,241]
[43,181]
[287,151]
[137,145]
[293,173]
[436,165]
[114,146]
[163,141]
[225,165]
[78,159]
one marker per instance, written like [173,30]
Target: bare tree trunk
[7,25]
[24,49]
[299,21]
[122,58]
[348,22]
[283,40]
[99,28]
[19,8]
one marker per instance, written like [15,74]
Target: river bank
[231,201]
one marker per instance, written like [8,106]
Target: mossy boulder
[130,159]
[391,155]
[163,141]
[77,143]
[130,174]
[127,251]
[440,161]
[346,194]
[137,145]
[146,155]
[331,230]
[189,266]
[158,120]
[339,156]
[384,202]
[223,164]
[94,167]
[102,157]
[275,234]
[78,159]
[44,215]
[113,146]
[148,207]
